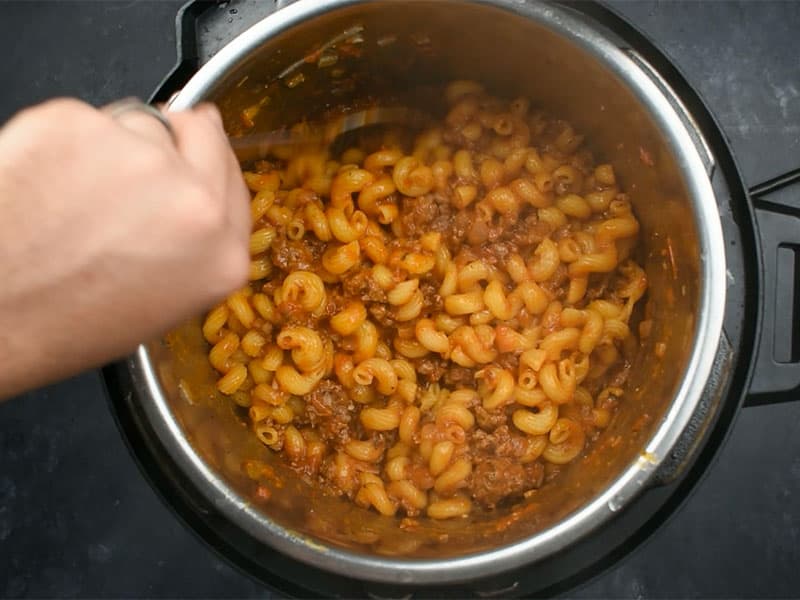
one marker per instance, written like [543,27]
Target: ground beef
[452,136]
[296,255]
[444,219]
[496,253]
[507,360]
[528,232]
[489,419]
[551,471]
[381,314]
[343,482]
[500,442]
[478,231]
[495,479]
[442,224]
[420,476]
[534,473]
[598,286]
[268,165]
[431,367]
[294,314]
[620,374]
[583,160]
[561,233]
[457,376]
[461,224]
[335,302]
[496,231]
[330,411]
[550,322]
[361,285]
[558,284]
[430,292]
[432,212]
[380,439]
[418,214]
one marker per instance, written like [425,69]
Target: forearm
[46,334]
[32,353]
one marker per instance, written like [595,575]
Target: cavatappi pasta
[436,328]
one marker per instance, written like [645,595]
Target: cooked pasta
[434,329]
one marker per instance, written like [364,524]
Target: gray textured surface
[743,59]
[78,520]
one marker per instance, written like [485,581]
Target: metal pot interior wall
[512,56]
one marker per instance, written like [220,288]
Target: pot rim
[626,485]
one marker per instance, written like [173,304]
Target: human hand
[112,233]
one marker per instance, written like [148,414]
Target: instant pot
[720,260]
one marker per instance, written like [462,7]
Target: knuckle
[211,113]
[193,128]
[214,132]
[67,107]
[189,120]
[54,116]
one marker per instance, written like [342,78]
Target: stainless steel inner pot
[575,71]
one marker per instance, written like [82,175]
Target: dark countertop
[78,519]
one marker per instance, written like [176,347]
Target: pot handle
[188,62]
[776,371]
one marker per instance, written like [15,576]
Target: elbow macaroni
[408,302]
